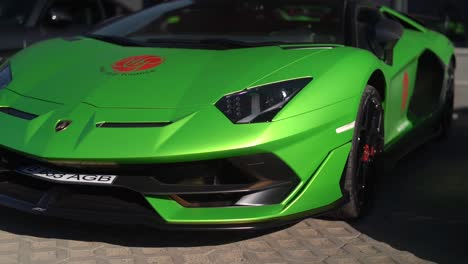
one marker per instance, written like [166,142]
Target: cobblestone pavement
[421,217]
[311,241]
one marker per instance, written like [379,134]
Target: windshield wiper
[117,40]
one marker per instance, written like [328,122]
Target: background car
[25,22]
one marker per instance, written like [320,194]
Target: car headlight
[262,103]
[5,75]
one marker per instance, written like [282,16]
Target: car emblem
[62,125]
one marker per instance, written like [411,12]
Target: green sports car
[219,114]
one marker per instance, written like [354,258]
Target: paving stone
[343,260]
[311,241]
[44,256]
[9,246]
[81,253]
[9,259]
[82,261]
[159,260]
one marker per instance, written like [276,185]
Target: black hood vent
[17,113]
[132,125]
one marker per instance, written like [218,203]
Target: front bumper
[254,180]
[131,201]
[114,206]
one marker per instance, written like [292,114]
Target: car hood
[88,71]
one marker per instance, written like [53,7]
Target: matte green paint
[406,54]
[62,80]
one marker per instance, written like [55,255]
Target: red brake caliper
[368,153]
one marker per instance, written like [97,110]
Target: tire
[360,173]
[447,113]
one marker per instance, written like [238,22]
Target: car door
[402,69]
[404,75]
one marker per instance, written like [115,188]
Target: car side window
[72,12]
[367,18]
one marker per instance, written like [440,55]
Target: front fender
[338,74]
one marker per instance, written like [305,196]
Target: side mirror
[387,34]
[59,17]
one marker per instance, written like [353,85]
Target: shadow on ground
[422,206]
[22,224]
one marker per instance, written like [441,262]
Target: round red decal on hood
[137,63]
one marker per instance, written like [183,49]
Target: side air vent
[17,113]
[132,125]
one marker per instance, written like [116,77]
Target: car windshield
[14,12]
[231,23]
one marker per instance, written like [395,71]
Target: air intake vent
[132,125]
[17,113]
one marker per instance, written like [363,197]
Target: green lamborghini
[220,114]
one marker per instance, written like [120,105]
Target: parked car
[25,22]
[220,113]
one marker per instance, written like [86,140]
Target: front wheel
[368,144]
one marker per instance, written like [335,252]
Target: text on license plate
[54,175]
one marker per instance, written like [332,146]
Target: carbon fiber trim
[255,180]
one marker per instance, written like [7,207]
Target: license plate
[58,176]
